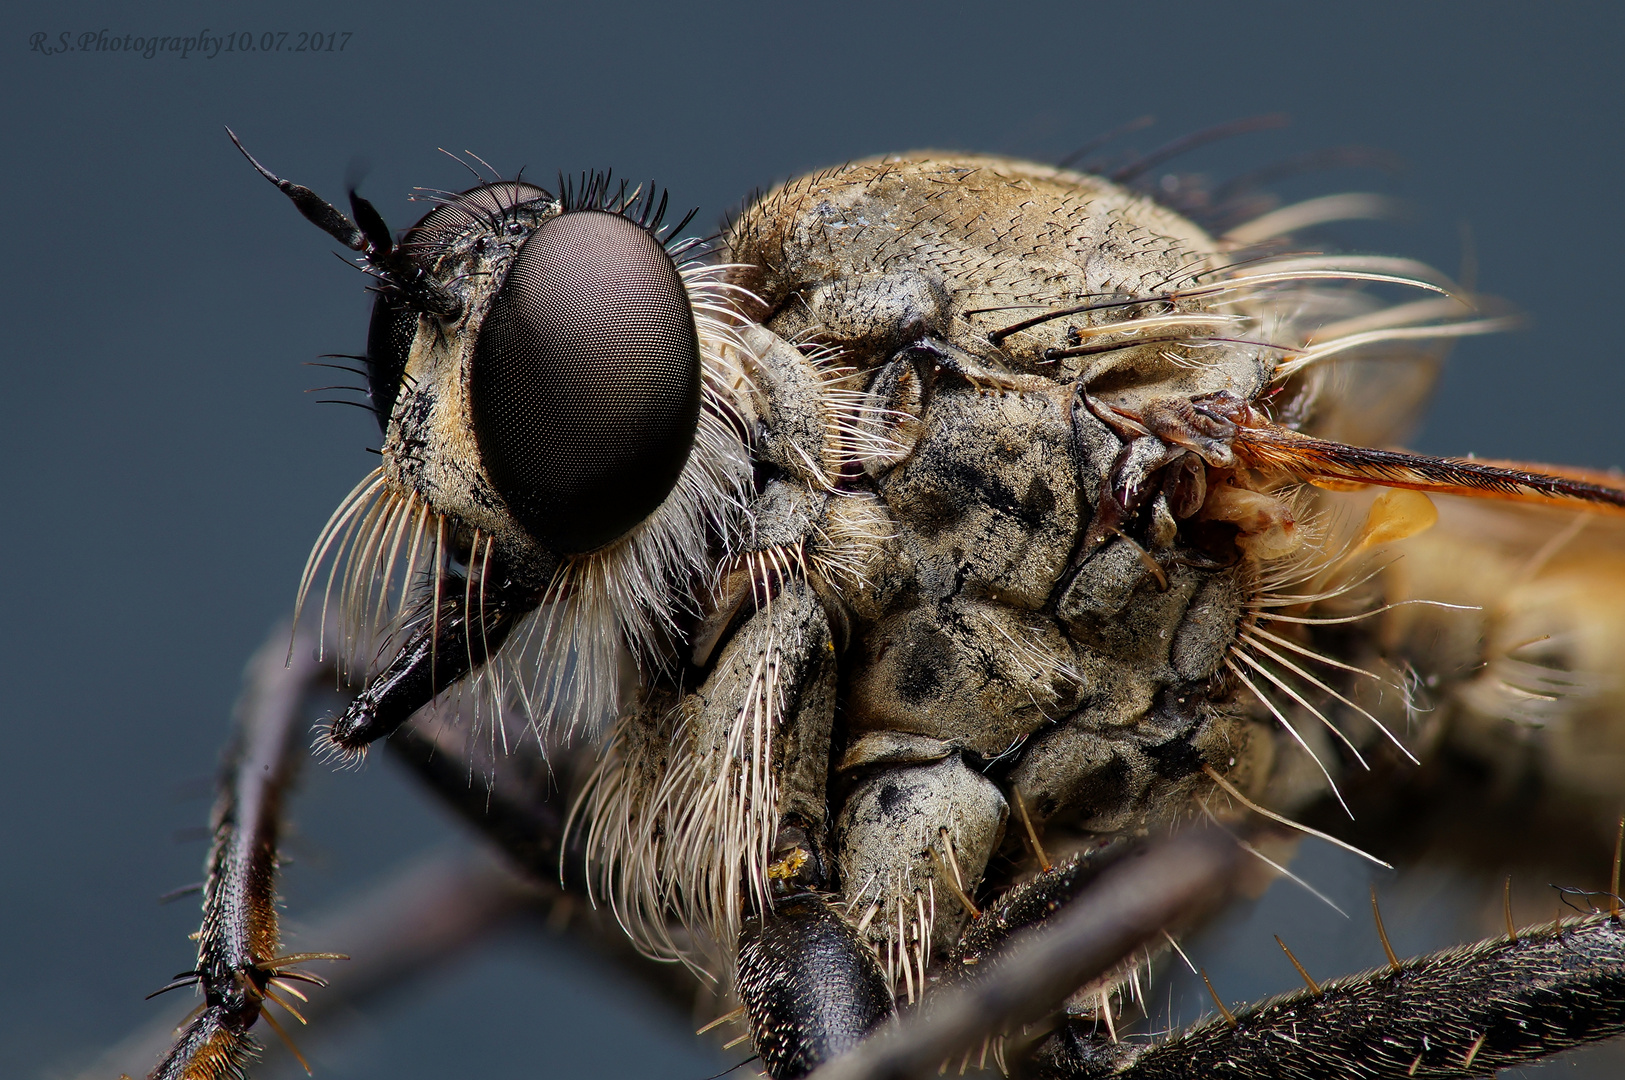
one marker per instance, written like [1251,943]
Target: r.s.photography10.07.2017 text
[205,43]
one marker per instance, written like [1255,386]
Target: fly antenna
[317,210]
[371,237]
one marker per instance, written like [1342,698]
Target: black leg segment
[811,988]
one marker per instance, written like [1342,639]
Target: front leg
[707,805]
[708,811]
[240,963]
[913,842]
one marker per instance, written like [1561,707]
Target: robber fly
[903,560]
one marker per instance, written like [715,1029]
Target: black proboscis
[438,652]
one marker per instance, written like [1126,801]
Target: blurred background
[165,473]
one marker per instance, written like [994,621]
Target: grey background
[164,475]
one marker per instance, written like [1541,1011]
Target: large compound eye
[389,342]
[585,381]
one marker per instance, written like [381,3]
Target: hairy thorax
[1003,636]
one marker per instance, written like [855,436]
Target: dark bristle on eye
[487,204]
[585,382]
[395,323]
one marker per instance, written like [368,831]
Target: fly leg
[704,820]
[1463,1012]
[399,931]
[240,964]
[811,989]
[1074,925]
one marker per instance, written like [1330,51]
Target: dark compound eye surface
[389,341]
[585,382]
